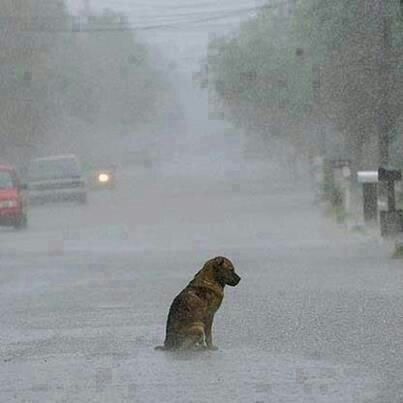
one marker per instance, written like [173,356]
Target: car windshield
[6,180]
[53,169]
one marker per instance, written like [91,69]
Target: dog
[191,314]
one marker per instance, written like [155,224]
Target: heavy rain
[139,139]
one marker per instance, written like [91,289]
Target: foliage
[323,64]
[25,32]
[60,79]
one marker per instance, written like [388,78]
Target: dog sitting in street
[191,315]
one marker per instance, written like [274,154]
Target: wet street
[85,291]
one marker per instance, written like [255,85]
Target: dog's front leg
[209,335]
[195,338]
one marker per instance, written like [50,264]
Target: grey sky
[180,28]
[182,36]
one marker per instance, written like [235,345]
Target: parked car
[13,205]
[56,178]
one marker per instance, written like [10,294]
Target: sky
[180,31]
[179,28]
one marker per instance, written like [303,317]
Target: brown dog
[191,314]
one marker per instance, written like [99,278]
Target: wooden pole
[383,115]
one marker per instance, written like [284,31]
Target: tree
[27,40]
[321,66]
[360,67]
[65,87]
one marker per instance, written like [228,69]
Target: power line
[162,6]
[80,24]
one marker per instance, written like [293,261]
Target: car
[56,178]
[13,204]
[103,178]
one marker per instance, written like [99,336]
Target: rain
[140,139]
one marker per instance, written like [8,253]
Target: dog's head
[224,271]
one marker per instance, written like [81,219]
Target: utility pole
[383,114]
[316,83]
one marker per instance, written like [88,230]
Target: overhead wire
[80,24]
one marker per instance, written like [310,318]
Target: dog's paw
[212,348]
[199,347]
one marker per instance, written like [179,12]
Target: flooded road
[85,291]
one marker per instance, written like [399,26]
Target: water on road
[85,291]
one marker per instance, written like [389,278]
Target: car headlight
[8,203]
[103,178]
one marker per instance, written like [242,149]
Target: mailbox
[367,176]
[389,175]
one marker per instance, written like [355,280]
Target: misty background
[91,77]
[157,80]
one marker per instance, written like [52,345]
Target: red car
[13,207]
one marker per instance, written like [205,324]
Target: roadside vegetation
[315,74]
[62,78]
